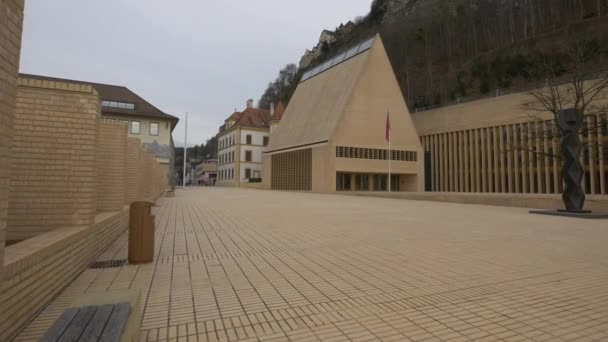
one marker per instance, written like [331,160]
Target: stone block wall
[111,165]
[11,22]
[53,166]
[132,170]
[145,165]
[39,268]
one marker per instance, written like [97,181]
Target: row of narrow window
[229,141]
[226,142]
[226,174]
[226,158]
[375,154]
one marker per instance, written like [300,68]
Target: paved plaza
[247,265]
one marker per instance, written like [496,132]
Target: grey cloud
[202,57]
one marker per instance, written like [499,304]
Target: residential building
[241,142]
[205,172]
[332,135]
[146,122]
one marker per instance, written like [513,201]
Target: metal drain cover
[108,264]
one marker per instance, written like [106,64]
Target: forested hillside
[449,50]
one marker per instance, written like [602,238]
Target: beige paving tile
[242,265]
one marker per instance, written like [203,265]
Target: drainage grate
[108,264]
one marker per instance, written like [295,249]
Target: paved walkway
[267,266]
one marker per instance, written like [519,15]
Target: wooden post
[141,233]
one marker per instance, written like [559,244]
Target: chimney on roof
[249,103]
[272,109]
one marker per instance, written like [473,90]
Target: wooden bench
[112,316]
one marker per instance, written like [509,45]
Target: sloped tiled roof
[109,92]
[250,117]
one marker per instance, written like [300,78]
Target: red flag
[387,134]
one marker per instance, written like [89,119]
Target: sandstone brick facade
[51,178]
[53,167]
[111,165]
[11,21]
[132,170]
[39,268]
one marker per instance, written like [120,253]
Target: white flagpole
[185,152]
[390,157]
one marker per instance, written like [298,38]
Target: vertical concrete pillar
[546,136]
[460,145]
[557,181]
[600,146]
[435,163]
[454,158]
[509,152]
[477,161]
[530,147]
[523,143]
[467,149]
[491,183]
[501,157]
[539,157]
[592,153]
[442,161]
[514,146]
[495,149]
[448,164]
[484,160]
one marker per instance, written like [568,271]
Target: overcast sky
[198,56]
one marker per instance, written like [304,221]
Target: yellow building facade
[332,136]
[505,145]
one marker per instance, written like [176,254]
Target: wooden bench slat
[61,324]
[94,330]
[78,324]
[116,324]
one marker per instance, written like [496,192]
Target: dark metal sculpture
[570,150]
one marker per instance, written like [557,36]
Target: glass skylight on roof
[366,45]
[351,52]
[326,65]
[338,59]
[362,47]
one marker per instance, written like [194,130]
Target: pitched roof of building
[347,104]
[317,105]
[109,92]
[250,118]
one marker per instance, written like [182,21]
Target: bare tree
[572,78]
